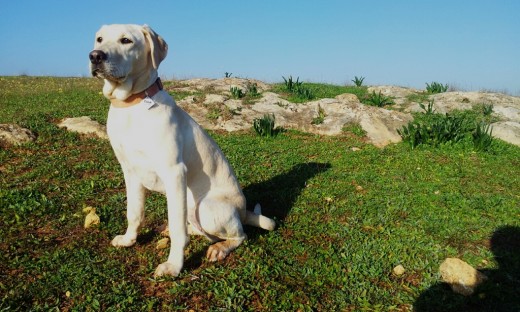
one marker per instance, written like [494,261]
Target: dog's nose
[97,56]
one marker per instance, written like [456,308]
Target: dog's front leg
[135,196]
[175,184]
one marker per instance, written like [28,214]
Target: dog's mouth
[101,73]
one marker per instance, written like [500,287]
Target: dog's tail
[257,219]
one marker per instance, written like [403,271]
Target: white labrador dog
[161,148]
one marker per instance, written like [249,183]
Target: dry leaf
[162,243]
[92,218]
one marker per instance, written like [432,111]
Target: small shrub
[291,85]
[252,89]
[428,110]
[320,118]
[265,126]
[436,87]
[358,81]
[482,137]
[297,88]
[236,92]
[487,109]
[378,99]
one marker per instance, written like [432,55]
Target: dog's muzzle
[97,57]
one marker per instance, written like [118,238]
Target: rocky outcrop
[213,106]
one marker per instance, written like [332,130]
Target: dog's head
[127,57]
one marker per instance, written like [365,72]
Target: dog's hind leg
[221,221]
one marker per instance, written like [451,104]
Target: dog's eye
[125,41]
[99,39]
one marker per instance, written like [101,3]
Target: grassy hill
[346,217]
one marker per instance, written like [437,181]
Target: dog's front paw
[123,241]
[166,269]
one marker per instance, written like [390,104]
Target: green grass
[345,219]
[320,91]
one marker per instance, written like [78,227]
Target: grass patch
[345,219]
[319,91]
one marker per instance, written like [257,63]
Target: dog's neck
[136,98]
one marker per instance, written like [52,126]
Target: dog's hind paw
[122,241]
[166,269]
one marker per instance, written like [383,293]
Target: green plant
[228,75]
[482,137]
[487,109]
[358,81]
[291,85]
[320,118]
[265,126]
[428,110]
[236,92]
[252,89]
[436,87]
[297,88]
[378,99]
[435,130]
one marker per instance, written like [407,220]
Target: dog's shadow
[276,195]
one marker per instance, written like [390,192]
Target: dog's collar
[139,97]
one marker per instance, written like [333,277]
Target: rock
[398,270]
[84,125]
[508,131]
[214,99]
[15,135]
[462,277]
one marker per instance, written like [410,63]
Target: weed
[378,99]
[291,85]
[482,137]
[236,92]
[265,126]
[298,89]
[228,75]
[487,109]
[428,110]
[358,81]
[436,87]
[252,89]
[318,120]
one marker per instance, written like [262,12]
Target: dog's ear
[158,47]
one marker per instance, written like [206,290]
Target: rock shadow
[500,292]
[278,194]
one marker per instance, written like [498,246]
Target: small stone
[462,277]
[398,270]
[355,149]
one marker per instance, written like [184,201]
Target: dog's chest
[133,136]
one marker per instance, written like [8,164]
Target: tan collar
[138,97]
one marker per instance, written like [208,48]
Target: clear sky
[470,44]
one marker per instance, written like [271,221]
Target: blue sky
[470,44]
